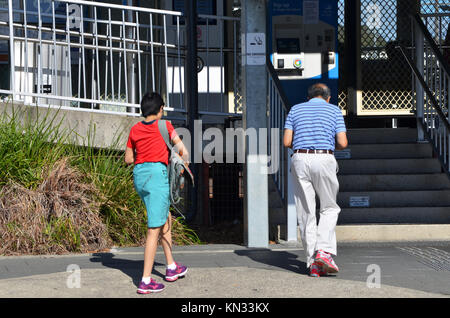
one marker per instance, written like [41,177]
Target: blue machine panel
[302,42]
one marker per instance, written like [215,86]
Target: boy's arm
[129,156]
[179,146]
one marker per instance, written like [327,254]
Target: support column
[191,77]
[256,207]
[419,43]
[406,8]
[353,55]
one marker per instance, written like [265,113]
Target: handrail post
[11,47]
[419,48]
[290,206]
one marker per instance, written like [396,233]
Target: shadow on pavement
[284,260]
[128,267]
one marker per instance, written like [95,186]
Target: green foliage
[28,147]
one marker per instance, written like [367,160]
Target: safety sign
[256,48]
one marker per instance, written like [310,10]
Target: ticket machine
[302,45]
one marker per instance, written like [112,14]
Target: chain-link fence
[342,89]
[386,78]
[436,16]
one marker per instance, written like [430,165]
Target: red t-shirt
[148,143]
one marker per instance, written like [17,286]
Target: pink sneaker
[316,270]
[152,287]
[173,275]
[326,261]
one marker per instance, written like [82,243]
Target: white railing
[103,57]
[278,108]
[432,91]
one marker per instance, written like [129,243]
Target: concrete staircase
[391,189]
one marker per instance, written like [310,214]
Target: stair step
[388,166]
[393,233]
[413,215]
[385,215]
[380,233]
[397,182]
[391,151]
[382,135]
[379,199]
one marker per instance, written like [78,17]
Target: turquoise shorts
[152,184]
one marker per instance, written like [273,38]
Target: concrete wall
[104,129]
[107,130]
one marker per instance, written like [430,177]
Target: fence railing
[432,91]
[278,108]
[437,25]
[277,113]
[103,57]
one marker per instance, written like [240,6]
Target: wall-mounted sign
[311,11]
[343,154]
[256,48]
[360,202]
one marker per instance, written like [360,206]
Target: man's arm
[287,138]
[341,141]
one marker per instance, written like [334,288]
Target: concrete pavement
[407,270]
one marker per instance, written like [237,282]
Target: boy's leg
[166,240]
[151,244]
[174,270]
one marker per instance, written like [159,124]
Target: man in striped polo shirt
[313,130]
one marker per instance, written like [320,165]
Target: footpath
[406,270]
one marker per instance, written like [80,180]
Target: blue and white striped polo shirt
[315,124]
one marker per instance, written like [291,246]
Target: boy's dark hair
[151,104]
[319,90]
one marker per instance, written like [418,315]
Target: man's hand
[341,141]
[287,138]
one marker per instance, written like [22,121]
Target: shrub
[56,197]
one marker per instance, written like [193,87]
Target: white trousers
[315,174]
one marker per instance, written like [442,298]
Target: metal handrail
[280,89]
[430,95]
[432,74]
[277,108]
[431,43]
[117,64]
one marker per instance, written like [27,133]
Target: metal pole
[130,60]
[192,90]
[11,46]
[353,56]
[419,44]
[256,203]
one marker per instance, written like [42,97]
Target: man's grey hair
[319,90]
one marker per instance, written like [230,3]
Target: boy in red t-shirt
[147,150]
